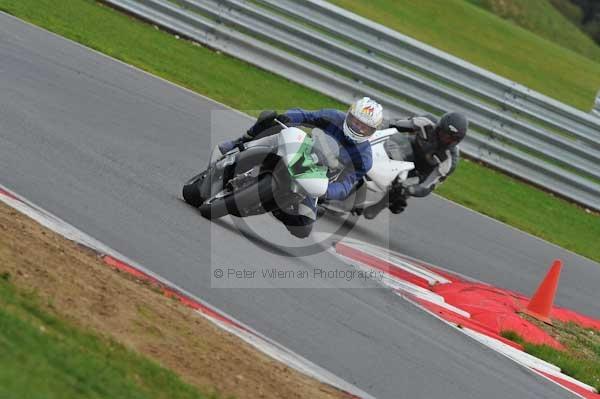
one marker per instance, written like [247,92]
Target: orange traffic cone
[541,303]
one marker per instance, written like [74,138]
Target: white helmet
[363,119]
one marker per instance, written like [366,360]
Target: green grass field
[543,19]
[242,86]
[476,35]
[223,78]
[44,357]
[580,360]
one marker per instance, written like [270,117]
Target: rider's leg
[300,220]
[298,225]
[372,211]
[264,122]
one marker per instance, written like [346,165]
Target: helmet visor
[449,139]
[358,127]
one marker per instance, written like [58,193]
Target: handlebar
[283,125]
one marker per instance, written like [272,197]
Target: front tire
[191,190]
[237,203]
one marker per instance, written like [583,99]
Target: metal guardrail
[345,56]
[442,65]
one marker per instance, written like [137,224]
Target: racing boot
[372,211]
[227,146]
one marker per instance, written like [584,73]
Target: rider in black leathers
[432,145]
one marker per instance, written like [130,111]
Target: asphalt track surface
[107,147]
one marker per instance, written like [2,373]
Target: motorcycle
[274,172]
[371,194]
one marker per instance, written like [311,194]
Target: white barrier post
[596,109]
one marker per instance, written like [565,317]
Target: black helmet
[452,128]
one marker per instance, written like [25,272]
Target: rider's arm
[437,176]
[402,125]
[340,189]
[266,125]
[416,124]
[320,119]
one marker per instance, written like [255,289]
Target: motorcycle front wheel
[239,202]
[191,190]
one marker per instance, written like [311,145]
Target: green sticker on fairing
[303,166]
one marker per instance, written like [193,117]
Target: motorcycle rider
[432,145]
[351,131]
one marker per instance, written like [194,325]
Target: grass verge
[545,20]
[243,86]
[580,360]
[484,39]
[71,327]
[46,357]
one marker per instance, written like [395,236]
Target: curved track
[106,147]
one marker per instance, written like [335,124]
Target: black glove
[265,122]
[398,206]
[398,195]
